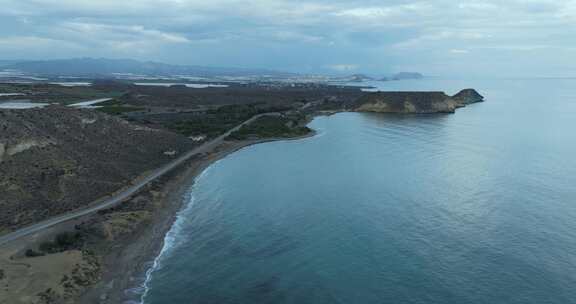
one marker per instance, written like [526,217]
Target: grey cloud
[435,37]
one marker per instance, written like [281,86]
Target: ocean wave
[171,241]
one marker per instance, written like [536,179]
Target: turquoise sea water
[476,207]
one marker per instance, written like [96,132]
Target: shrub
[63,242]
[32,253]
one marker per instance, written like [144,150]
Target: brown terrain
[57,159]
[416,102]
[96,258]
[272,95]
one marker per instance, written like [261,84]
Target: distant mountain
[353,78]
[103,67]
[407,75]
[360,78]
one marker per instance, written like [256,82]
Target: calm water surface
[476,207]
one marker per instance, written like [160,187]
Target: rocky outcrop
[416,102]
[26,145]
[468,96]
[57,159]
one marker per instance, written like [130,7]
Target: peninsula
[88,193]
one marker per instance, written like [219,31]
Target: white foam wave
[170,242]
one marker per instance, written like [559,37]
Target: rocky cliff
[468,96]
[416,102]
[57,159]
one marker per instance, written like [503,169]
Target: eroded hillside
[58,159]
[416,102]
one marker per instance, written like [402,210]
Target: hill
[71,157]
[416,102]
[103,67]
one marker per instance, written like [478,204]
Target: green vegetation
[62,242]
[118,109]
[272,127]
[209,125]
[48,296]
[215,122]
[51,93]
[111,102]
[4,230]
[248,109]
[69,95]
[32,253]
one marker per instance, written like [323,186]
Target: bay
[473,207]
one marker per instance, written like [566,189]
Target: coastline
[126,277]
[125,269]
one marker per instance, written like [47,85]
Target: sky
[435,37]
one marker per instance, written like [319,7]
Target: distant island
[403,76]
[397,76]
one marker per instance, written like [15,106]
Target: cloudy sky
[436,37]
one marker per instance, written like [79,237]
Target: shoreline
[126,270]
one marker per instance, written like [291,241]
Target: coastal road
[117,198]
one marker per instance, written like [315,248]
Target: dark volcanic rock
[57,159]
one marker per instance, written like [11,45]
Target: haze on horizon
[438,37]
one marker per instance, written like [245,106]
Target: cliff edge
[416,102]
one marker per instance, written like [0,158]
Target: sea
[475,207]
